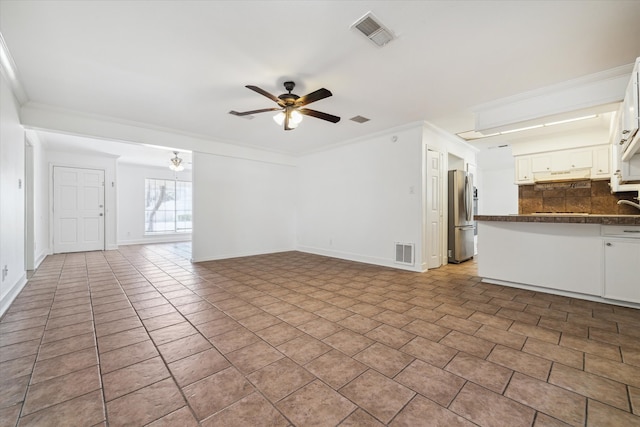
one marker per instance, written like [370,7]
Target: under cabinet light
[473,135]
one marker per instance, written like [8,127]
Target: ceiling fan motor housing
[289,98]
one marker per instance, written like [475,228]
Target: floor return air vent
[404,253]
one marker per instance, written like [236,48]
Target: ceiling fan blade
[246,113]
[319,115]
[313,97]
[264,93]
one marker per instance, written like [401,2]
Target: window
[167,206]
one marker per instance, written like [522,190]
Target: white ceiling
[125,152]
[182,65]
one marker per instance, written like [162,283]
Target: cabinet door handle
[624,132]
[631,231]
[609,244]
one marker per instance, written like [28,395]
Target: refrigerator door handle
[468,204]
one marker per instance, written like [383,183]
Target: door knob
[101,214]
[609,244]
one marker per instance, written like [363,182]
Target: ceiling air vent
[372,29]
[359,119]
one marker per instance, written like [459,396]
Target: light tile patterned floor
[141,336]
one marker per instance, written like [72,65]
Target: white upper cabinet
[625,136]
[541,163]
[523,170]
[596,159]
[626,133]
[629,119]
[601,162]
[565,160]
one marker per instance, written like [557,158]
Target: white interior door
[433,237]
[78,209]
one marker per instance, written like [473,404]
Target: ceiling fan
[290,106]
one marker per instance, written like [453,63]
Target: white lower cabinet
[622,269]
[564,257]
[589,259]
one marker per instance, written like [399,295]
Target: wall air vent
[404,253]
[359,119]
[372,29]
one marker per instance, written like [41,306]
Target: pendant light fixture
[176,163]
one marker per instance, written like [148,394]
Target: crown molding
[10,72]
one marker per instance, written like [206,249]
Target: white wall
[241,207]
[497,192]
[355,201]
[90,161]
[131,199]
[596,135]
[12,212]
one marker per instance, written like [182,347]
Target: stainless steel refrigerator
[461,224]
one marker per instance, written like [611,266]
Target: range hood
[568,175]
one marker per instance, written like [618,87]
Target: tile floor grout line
[26,393]
[166,365]
[255,389]
[62,355]
[238,285]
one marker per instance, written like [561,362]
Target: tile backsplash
[586,196]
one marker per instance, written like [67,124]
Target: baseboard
[12,294]
[239,255]
[561,292]
[383,262]
[166,238]
[41,256]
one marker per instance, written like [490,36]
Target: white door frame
[52,203]
[29,207]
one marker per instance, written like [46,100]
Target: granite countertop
[565,218]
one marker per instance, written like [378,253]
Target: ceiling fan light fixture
[176,163]
[294,118]
[279,118]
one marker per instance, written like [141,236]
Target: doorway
[78,209]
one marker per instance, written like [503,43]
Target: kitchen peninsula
[594,257]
